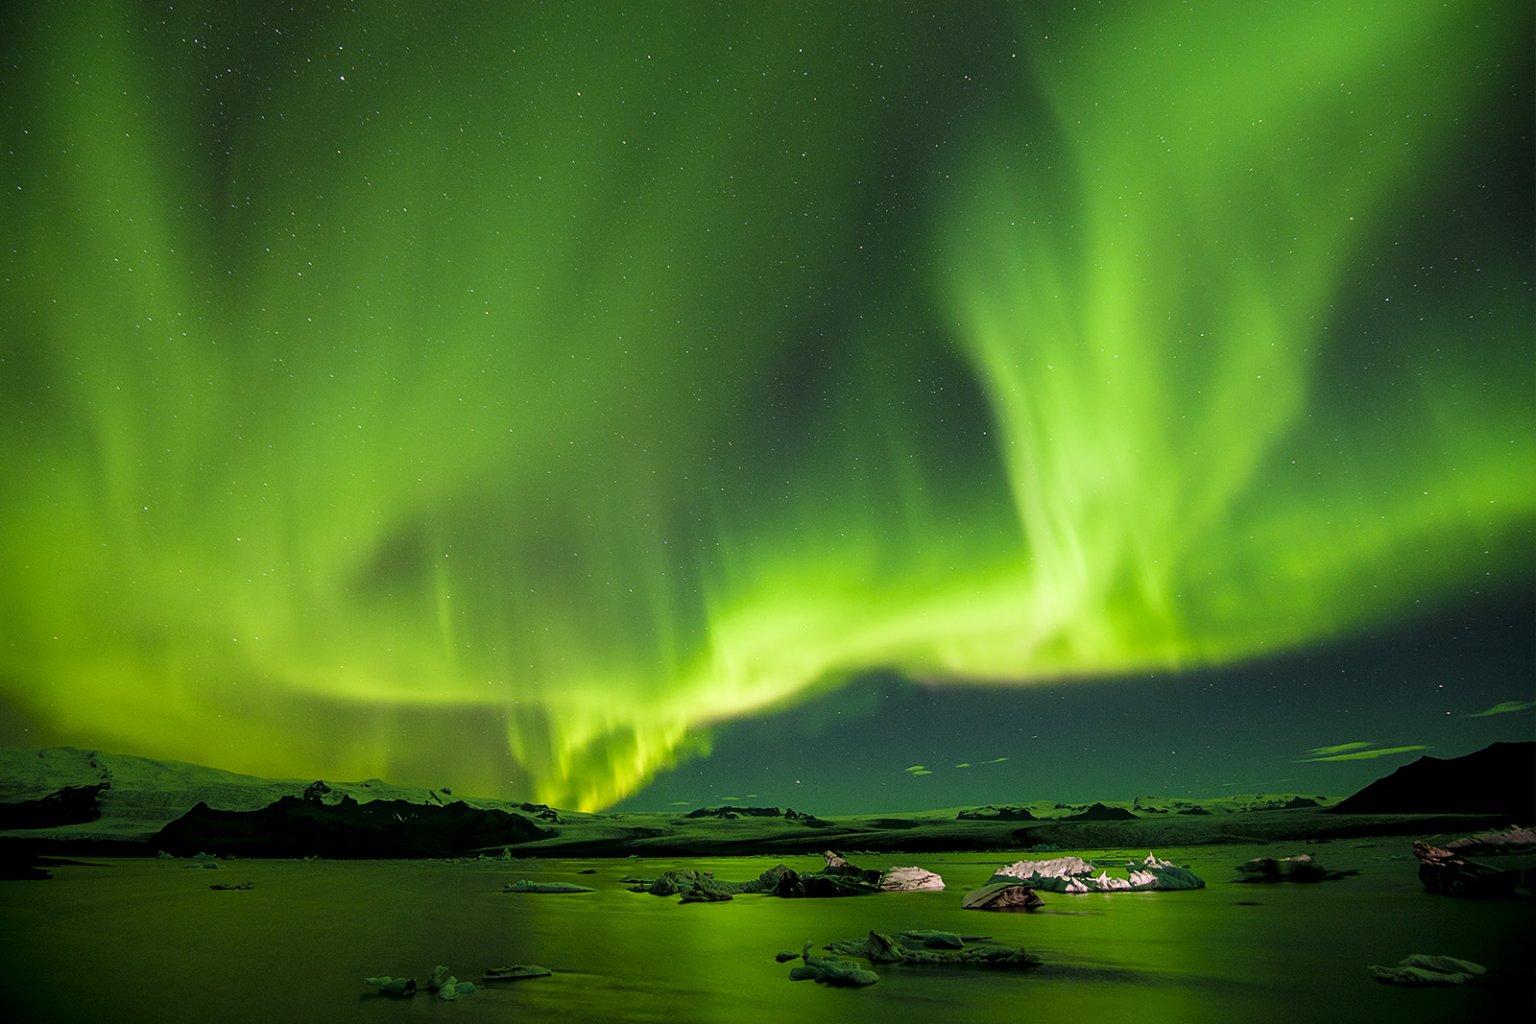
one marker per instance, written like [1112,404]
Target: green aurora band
[505,404]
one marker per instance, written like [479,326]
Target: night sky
[668,402]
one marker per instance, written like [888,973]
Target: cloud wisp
[1358,750]
[1504,707]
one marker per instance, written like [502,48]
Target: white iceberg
[909,879]
[1074,875]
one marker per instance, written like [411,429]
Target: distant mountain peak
[1499,779]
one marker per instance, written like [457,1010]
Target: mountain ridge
[69,799]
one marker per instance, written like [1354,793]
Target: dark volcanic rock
[991,813]
[72,805]
[1499,779]
[1098,812]
[17,866]
[839,878]
[293,827]
[731,813]
[544,812]
[913,949]
[735,812]
[1492,864]
[1002,896]
[644,832]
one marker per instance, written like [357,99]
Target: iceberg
[1074,875]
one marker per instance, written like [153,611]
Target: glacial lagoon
[148,940]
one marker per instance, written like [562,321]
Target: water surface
[144,940]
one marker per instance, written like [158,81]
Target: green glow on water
[506,403]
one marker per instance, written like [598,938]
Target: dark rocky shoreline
[138,808]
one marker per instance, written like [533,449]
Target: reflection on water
[149,941]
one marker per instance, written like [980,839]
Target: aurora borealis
[513,397]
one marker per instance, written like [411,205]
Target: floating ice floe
[447,986]
[1300,868]
[909,879]
[441,983]
[1074,875]
[398,987]
[523,885]
[1423,970]
[831,971]
[935,949]
[515,972]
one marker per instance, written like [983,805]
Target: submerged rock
[934,949]
[838,878]
[1002,896]
[232,886]
[877,949]
[447,986]
[674,883]
[940,940]
[1300,868]
[441,983]
[515,972]
[1423,970]
[397,987]
[706,894]
[831,971]
[1075,875]
[694,886]
[824,886]
[523,885]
